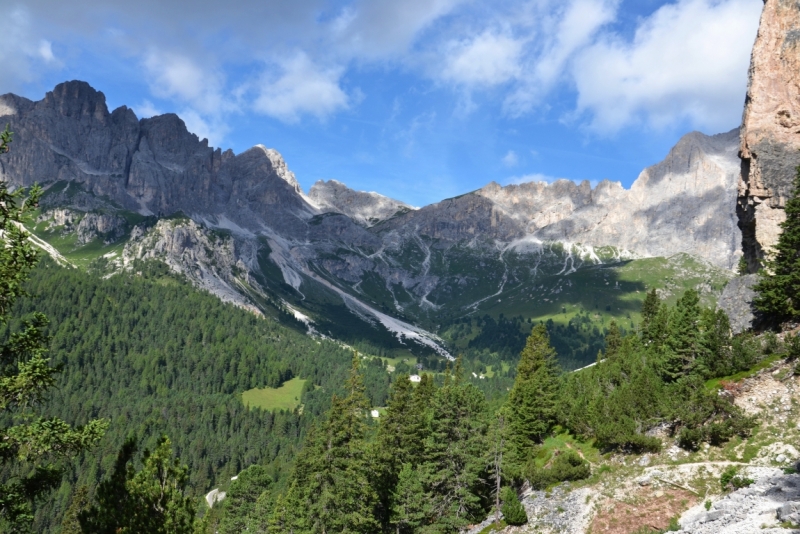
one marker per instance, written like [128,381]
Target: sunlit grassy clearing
[286,397]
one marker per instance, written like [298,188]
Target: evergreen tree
[332,474]
[151,500]
[683,342]
[399,440]
[650,308]
[30,445]
[456,456]
[410,507]
[80,501]
[240,500]
[532,400]
[513,511]
[613,339]
[778,287]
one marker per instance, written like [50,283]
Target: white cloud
[24,53]
[510,159]
[198,91]
[564,32]
[146,110]
[46,51]
[301,88]
[488,59]
[688,61]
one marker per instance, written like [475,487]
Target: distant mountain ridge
[347,258]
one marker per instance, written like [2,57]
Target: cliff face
[770,136]
[366,208]
[154,166]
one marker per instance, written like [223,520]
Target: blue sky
[419,100]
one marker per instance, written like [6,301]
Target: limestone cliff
[683,204]
[366,208]
[770,136]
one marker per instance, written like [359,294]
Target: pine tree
[410,507]
[456,456]
[532,400]
[683,343]
[332,473]
[778,287]
[240,501]
[613,339]
[31,447]
[151,500]
[80,501]
[650,309]
[513,511]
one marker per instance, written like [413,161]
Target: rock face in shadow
[366,208]
[737,302]
[154,166]
[686,203]
[770,137]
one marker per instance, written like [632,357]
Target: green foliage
[531,404]
[658,376]
[32,447]
[410,506]
[150,500]
[731,480]
[778,286]
[564,467]
[332,472]
[513,511]
[241,499]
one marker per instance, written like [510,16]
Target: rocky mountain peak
[77,99]
[366,208]
[279,166]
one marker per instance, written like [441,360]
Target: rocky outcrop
[770,136]
[216,262]
[683,204]
[366,208]
[737,302]
[154,166]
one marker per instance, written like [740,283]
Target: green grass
[716,383]
[286,397]
[564,441]
[494,528]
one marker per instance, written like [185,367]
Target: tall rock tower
[770,134]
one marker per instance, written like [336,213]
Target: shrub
[565,467]
[731,480]
[513,511]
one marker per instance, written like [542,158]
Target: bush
[731,480]
[513,511]
[565,467]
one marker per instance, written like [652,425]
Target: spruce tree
[532,400]
[333,474]
[683,342]
[650,308]
[399,440]
[456,457]
[410,506]
[613,339]
[778,287]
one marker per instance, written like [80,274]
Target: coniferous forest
[158,360]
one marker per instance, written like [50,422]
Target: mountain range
[359,266]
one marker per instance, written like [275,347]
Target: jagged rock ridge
[770,138]
[366,208]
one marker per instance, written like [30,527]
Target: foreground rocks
[773,499]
